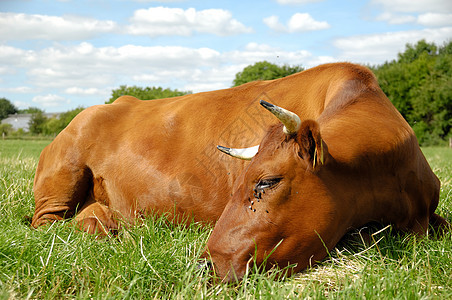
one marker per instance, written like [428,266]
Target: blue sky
[58,55]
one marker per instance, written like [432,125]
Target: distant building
[22,120]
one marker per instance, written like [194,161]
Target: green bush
[264,71]
[146,93]
[419,84]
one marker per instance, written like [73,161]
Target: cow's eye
[267,183]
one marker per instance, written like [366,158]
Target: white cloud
[87,92]
[409,6]
[85,69]
[273,23]
[212,79]
[435,19]
[60,73]
[157,21]
[11,55]
[161,1]
[19,26]
[21,104]
[426,19]
[429,13]
[50,100]
[299,22]
[297,1]
[377,48]
[254,52]
[220,71]
[18,90]
[85,66]
[4,70]
[395,18]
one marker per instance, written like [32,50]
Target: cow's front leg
[96,218]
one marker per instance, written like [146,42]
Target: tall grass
[159,260]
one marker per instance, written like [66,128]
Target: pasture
[159,260]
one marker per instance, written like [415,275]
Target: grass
[158,259]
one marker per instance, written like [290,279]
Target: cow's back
[141,157]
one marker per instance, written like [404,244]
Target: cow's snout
[205,265]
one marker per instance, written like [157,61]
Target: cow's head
[281,210]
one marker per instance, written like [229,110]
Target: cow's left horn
[290,120]
[245,153]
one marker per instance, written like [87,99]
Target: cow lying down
[334,155]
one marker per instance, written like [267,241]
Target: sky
[62,54]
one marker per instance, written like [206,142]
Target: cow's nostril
[205,265]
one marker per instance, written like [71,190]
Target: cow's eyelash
[267,183]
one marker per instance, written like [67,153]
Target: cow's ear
[312,148]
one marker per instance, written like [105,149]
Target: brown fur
[354,160]
[359,162]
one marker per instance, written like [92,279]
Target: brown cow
[359,161]
[314,180]
[130,158]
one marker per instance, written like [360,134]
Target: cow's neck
[370,189]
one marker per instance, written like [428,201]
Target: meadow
[159,260]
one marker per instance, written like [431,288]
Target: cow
[310,181]
[338,155]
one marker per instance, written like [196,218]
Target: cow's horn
[245,153]
[290,120]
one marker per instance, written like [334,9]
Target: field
[158,260]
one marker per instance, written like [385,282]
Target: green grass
[158,259]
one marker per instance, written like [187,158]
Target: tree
[40,124]
[432,104]
[54,125]
[37,122]
[66,118]
[147,93]
[264,71]
[5,129]
[6,108]
[413,52]
[30,110]
[419,84]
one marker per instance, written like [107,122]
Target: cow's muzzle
[205,265]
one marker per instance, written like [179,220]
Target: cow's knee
[57,197]
[45,219]
[48,215]
[439,225]
[97,226]
[96,218]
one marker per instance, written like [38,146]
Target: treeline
[146,93]
[264,71]
[39,124]
[418,82]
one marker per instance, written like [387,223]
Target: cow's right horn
[290,120]
[245,153]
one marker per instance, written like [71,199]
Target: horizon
[59,55]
